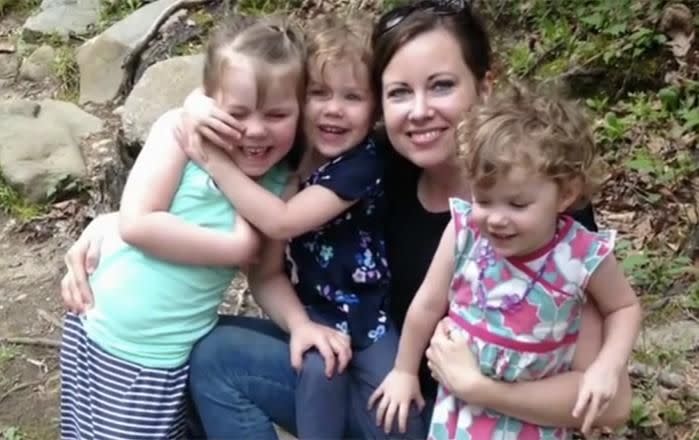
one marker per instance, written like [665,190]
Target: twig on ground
[130,63]
[48,317]
[19,387]
[26,340]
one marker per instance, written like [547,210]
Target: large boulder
[162,87]
[100,58]
[40,144]
[62,17]
[39,64]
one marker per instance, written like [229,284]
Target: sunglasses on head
[437,7]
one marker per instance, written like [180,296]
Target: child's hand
[598,387]
[397,391]
[333,346]
[201,120]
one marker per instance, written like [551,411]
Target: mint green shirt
[149,311]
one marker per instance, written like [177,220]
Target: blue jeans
[241,382]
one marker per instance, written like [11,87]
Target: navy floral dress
[339,270]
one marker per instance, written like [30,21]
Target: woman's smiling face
[426,89]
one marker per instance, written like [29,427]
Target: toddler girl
[162,277]
[513,270]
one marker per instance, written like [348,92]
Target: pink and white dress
[520,316]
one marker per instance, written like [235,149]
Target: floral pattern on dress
[340,269]
[520,318]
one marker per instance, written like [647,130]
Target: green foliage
[19,6]
[112,11]
[579,33]
[12,433]
[653,271]
[7,353]
[266,7]
[67,72]
[14,204]
[640,416]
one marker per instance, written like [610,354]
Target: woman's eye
[397,93]
[519,205]
[354,97]
[443,85]
[277,115]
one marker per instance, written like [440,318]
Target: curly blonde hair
[332,38]
[543,132]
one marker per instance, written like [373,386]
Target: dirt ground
[30,309]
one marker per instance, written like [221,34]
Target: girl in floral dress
[513,270]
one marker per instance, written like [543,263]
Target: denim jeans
[241,382]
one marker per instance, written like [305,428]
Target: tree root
[19,387]
[25,340]
[131,62]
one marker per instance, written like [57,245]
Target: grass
[23,7]
[7,353]
[114,10]
[266,7]
[67,73]
[12,433]
[12,203]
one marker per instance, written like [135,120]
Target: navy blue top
[340,270]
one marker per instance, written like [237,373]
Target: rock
[162,87]
[39,64]
[100,58]
[9,65]
[7,47]
[62,17]
[679,336]
[35,161]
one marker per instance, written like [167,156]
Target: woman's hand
[452,363]
[394,396]
[81,260]
[332,344]
[201,120]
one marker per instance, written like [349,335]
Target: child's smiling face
[339,107]
[519,212]
[267,107]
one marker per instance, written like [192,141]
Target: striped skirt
[104,397]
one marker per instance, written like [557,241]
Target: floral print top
[339,270]
[520,317]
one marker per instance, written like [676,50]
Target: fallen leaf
[680,44]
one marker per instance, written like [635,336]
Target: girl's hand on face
[81,260]
[394,396]
[203,121]
[332,344]
[452,363]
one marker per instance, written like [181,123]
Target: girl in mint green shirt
[179,243]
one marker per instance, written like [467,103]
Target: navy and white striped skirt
[104,397]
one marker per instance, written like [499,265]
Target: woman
[432,63]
